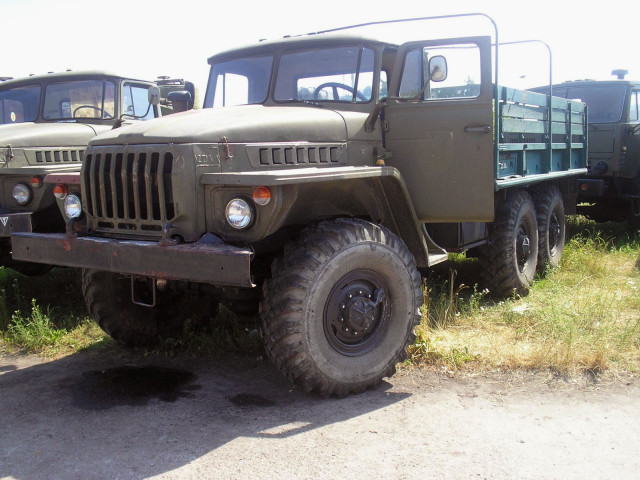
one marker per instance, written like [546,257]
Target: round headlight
[238,213]
[22,193]
[72,206]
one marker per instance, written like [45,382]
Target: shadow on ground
[129,416]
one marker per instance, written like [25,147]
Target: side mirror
[181,100]
[438,68]
[153,94]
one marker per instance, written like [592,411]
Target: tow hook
[169,230]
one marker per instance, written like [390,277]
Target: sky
[145,39]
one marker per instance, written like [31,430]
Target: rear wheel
[509,259]
[108,298]
[551,227]
[340,308]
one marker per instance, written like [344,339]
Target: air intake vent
[288,155]
[59,156]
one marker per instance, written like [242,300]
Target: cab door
[440,131]
[631,142]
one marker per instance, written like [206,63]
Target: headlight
[72,206]
[22,193]
[238,213]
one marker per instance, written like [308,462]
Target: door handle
[481,129]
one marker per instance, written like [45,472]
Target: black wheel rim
[554,233]
[356,314]
[523,245]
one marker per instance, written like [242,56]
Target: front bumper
[15,222]
[202,262]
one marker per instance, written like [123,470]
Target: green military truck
[323,175]
[46,122]
[611,189]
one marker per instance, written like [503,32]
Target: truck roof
[590,82]
[69,75]
[302,41]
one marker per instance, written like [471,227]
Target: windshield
[20,104]
[342,74]
[239,82]
[80,99]
[605,103]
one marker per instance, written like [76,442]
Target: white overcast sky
[144,38]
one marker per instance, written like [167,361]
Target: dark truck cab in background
[611,189]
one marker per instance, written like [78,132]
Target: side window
[463,72]
[634,115]
[136,102]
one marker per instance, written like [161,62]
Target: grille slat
[112,181]
[147,189]
[129,190]
[103,186]
[161,169]
[136,190]
[95,190]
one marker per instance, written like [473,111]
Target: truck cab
[46,122]
[611,189]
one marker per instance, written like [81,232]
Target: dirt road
[122,416]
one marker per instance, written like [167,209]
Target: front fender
[303,196]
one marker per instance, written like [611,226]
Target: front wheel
[341,306]
[108,299]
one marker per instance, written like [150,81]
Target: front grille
[128,189]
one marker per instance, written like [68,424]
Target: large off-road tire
[551,227]
[108,298]
[341,307]
[510,257]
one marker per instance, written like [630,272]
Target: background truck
[46,122]
[611,189]
[324,173]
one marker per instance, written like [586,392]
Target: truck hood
[31,134]
[242,124]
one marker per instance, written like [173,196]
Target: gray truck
[46,122]
[323,175]
[611,189]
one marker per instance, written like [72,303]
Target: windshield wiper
[306,102]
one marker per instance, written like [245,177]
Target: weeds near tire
[582,316]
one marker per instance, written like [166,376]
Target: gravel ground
[129,416]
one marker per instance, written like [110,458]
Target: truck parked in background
[611,189]
[46,122]
[323,174]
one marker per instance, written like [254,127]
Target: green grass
[45,314]
[584,315]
